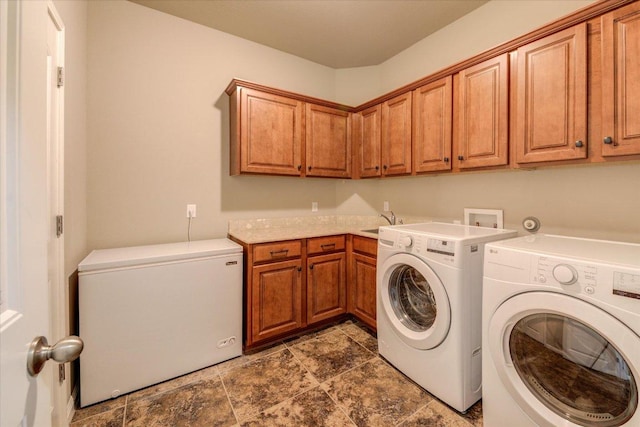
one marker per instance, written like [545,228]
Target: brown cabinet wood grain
[370,139]
[328,142]
[266,133]
[549,112]
[362,280]
[432,118]
[276,251]
[621,81]
[482,111]
[396,136]
[326,286]
[276,299]
[318,245]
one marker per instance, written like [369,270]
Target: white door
[24,226]
[414,300]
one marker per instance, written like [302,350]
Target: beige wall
[158,125]
[159,128]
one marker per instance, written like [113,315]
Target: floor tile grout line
[124,413]
[226,393]
[343,410]
[413,413]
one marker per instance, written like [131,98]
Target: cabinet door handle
[299,269]
[311,267]
[328,246]
[579,144]
[299,167]
[446,160]
[377,167]
[460,157]
[310,167]
[282,252]
[608,140]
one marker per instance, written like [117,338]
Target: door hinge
[59,225]
[60,76]
[61,373]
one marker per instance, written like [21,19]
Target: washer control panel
[574,276]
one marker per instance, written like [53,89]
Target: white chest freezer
[151,313]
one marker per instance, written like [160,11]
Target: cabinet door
[432,126]
[369,156]
[270,134]
[483,101]
[326,287]
[362,294]
[276,299]
[550,113]
[328,142]
[621,81]
[396,135]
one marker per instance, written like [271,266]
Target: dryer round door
[414,300]
[565,361]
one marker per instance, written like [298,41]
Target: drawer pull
[328,246]
[280,253]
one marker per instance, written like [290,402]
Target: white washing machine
[429,280]
[561,326]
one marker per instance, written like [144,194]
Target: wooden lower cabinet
[326,287]
[276,295]
[292,284]
[362,280]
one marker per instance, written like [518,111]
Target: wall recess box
[492,218]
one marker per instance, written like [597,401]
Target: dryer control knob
[565,274]
[406,241]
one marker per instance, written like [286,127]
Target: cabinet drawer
[365,245]
[325,244]
[276,251]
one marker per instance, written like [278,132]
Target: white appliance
[429,280]
[151,313]
[561,326]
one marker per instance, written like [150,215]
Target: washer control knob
[565,274]
[542,279]
[406,241]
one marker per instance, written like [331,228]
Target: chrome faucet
[390,219]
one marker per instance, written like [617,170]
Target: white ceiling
[335,33]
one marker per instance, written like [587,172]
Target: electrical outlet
[314,206]
[191,211]
[385,206]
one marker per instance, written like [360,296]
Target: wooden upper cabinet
[369,142]
[396,136]
[328,142]
[482,114]
[550,102]
[432,110]
[621,81]
[266,133]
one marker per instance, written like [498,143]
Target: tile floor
[333,377]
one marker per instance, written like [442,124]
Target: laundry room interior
[329,199]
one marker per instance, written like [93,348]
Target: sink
[373,230]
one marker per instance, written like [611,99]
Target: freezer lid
[140,255]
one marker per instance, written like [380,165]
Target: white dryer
[561,333]
[429,280]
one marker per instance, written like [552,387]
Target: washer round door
[565,361]
[414,300]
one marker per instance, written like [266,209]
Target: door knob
[66,350]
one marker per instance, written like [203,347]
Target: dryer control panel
[601,281]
